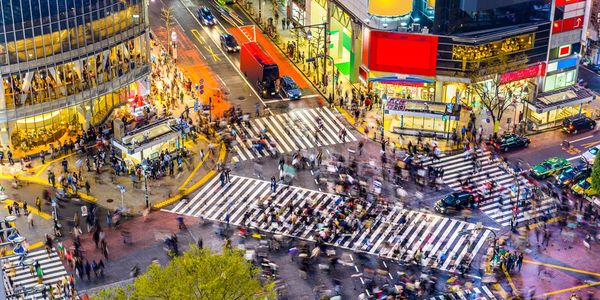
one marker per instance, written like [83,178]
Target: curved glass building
[65,64]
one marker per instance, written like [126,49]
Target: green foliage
[596,173]
[197,274]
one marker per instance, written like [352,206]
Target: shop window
[35,133]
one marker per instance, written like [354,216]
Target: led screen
[402,53]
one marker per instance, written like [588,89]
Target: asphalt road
[206,41]
[549,144]
[592,79]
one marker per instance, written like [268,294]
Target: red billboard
[565,2]
[567,24]
[533,71]
[403,53]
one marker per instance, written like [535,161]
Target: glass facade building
[65,64]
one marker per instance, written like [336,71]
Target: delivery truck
[260,69]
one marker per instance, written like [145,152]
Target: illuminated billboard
[401,53]
[390,8]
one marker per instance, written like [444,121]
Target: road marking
[579,287]
[288,99]
[573,158]
[580,139]
[589,145]
[561,267]
[515,291]
[226,56]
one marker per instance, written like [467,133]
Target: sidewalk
[103,185]
[559,268]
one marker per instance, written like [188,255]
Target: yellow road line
[198,36]
[539,224]
[44,166]
[574,288]
[561,267]
[192,188]
[182,187]
[515,291]
[30,247]
[31,209]
[45,182]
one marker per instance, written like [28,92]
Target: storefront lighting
[367,20]
[384,25]
[417,19]
[431,90]
[39,118]
[403,24]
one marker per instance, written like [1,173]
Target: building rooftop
[571,95]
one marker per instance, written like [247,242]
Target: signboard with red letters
[566,2]
[567,24]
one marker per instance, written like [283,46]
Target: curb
[187,191]
[33,246]
[32,210]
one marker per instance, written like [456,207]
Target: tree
[197,274]
[488,86]
[166,14]
[596,173]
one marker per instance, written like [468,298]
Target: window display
[22,89]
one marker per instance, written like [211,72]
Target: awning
[398,80]
[568,96]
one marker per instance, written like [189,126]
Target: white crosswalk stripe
[443,242]
[51,265]
[458,169]
[477,293]
[291,131]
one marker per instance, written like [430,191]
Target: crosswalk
[24,282]
[290,131]
[434,240]
[457,169]
[476,293]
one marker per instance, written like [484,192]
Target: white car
[590,155]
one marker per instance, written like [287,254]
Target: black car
[510,142]
[456,201]
[573,175]
[578,123]
[229,43]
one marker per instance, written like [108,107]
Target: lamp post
[324,25]
[145,170]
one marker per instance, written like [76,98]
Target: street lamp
[145,172]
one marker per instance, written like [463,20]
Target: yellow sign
[390,8]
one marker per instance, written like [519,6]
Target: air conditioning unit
[416,27]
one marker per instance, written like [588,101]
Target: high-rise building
[65,65]
[423,55]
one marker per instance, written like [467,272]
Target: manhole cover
[110,200]
[241,98]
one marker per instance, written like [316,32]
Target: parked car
[589,156]
[206,17]
[229,43]
[578,123]
[511,141]
[584,188]
[573,174]
[454,201]
[288,88]
[550,166]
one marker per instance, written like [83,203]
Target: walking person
[38,204]
[30,220]
[273,184]
[520,261]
